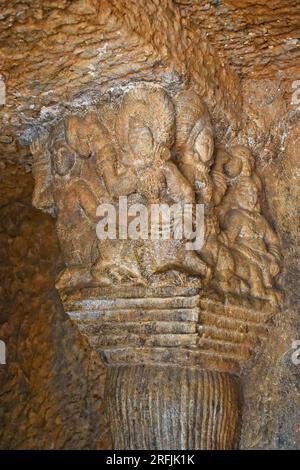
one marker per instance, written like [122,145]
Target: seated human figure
[252,242]
[235,164]
[69,191]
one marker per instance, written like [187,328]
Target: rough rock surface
[271,417]
[259,39]
[55,57]
[52,385]
[160,46]
[48,68]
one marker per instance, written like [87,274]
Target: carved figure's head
[62,155]
[145,125]
[52,156]
[86,135]
[194,130]
[204,144]
[241,163]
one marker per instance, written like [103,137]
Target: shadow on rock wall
[52,384]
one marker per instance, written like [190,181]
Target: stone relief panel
[160,300]
[253,243]
[157,150]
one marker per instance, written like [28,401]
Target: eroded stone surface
[151,148]
[271,411]
[259,39]
[76,69]
[52,385]
[160,47]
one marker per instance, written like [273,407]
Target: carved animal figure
[144,169]
[66,187]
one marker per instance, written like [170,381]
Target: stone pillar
[162,390]
[170,407]
[173,318]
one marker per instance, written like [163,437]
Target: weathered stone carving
[146,174]
[251,240]
[156,312]
[195,144]
[68,189]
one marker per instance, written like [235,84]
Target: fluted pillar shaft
[159,407]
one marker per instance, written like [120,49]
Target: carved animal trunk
[174,318]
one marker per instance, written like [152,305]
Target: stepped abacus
[179,340]
[171,326]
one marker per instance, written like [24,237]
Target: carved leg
[163,407]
